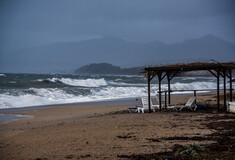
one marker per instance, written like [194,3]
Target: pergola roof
[217,69]
[190,67]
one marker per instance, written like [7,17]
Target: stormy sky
[25,23]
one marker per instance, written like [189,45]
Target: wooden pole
[169,89]
[224,74]
[149,92]
[230,82]
[218,98]
[195,94]
[160,92]
[165,100]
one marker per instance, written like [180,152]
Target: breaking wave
[77,82]
[47,96]
[32,90]
[191,86]
[37,96]
[85,82]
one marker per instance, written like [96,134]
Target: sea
[24,90]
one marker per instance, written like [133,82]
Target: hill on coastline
[105,68]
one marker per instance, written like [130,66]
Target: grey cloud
[26,23]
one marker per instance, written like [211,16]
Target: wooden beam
[159,88]
[163,76]
[230,86]
[212,73]
[227,74]
[190,67]
[149,92]
[153,76]
[173,75]
[169,78]
[165,100]
[224,73]
[195,94]
[218,90]
[169,88]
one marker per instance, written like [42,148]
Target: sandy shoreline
[11,114]
[108,102]
[105,132]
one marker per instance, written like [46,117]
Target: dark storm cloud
[25,23]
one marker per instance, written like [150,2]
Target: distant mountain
[105,68]
[70,55]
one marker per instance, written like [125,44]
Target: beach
[111,132]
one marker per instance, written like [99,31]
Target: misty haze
[65,57]
[59,36]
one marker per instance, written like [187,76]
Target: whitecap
[12,82]
[121,92]
[41,96]
[99,89]
[126,84]
[77,82]
[190,86]
[84,82]
[189,78]
[45,96]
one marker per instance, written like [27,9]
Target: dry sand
[105,132]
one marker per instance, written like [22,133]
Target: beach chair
[133,109]
[146,106]
[190,105]
[162,100]
[231,107]
[169,107]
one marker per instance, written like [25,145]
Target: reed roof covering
[190,67]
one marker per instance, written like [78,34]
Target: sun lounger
[163,104]
[146,106]
[172,108]
[190,105]
[133,109]
[231,107]
[162,100]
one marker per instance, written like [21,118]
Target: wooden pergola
[169,71]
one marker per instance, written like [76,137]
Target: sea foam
[77,82]
[45,96]
[81,89]
[41,96]
[84,82]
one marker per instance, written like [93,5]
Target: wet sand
[111,132]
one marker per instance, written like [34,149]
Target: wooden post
[149,92]
[195,94]
[230,82]
[165,101]
[169,89]
[160,92]
[224,74]
[218,98]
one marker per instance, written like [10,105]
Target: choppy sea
[22,90]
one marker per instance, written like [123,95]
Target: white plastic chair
[146,106]
[231,107]
[190,104]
